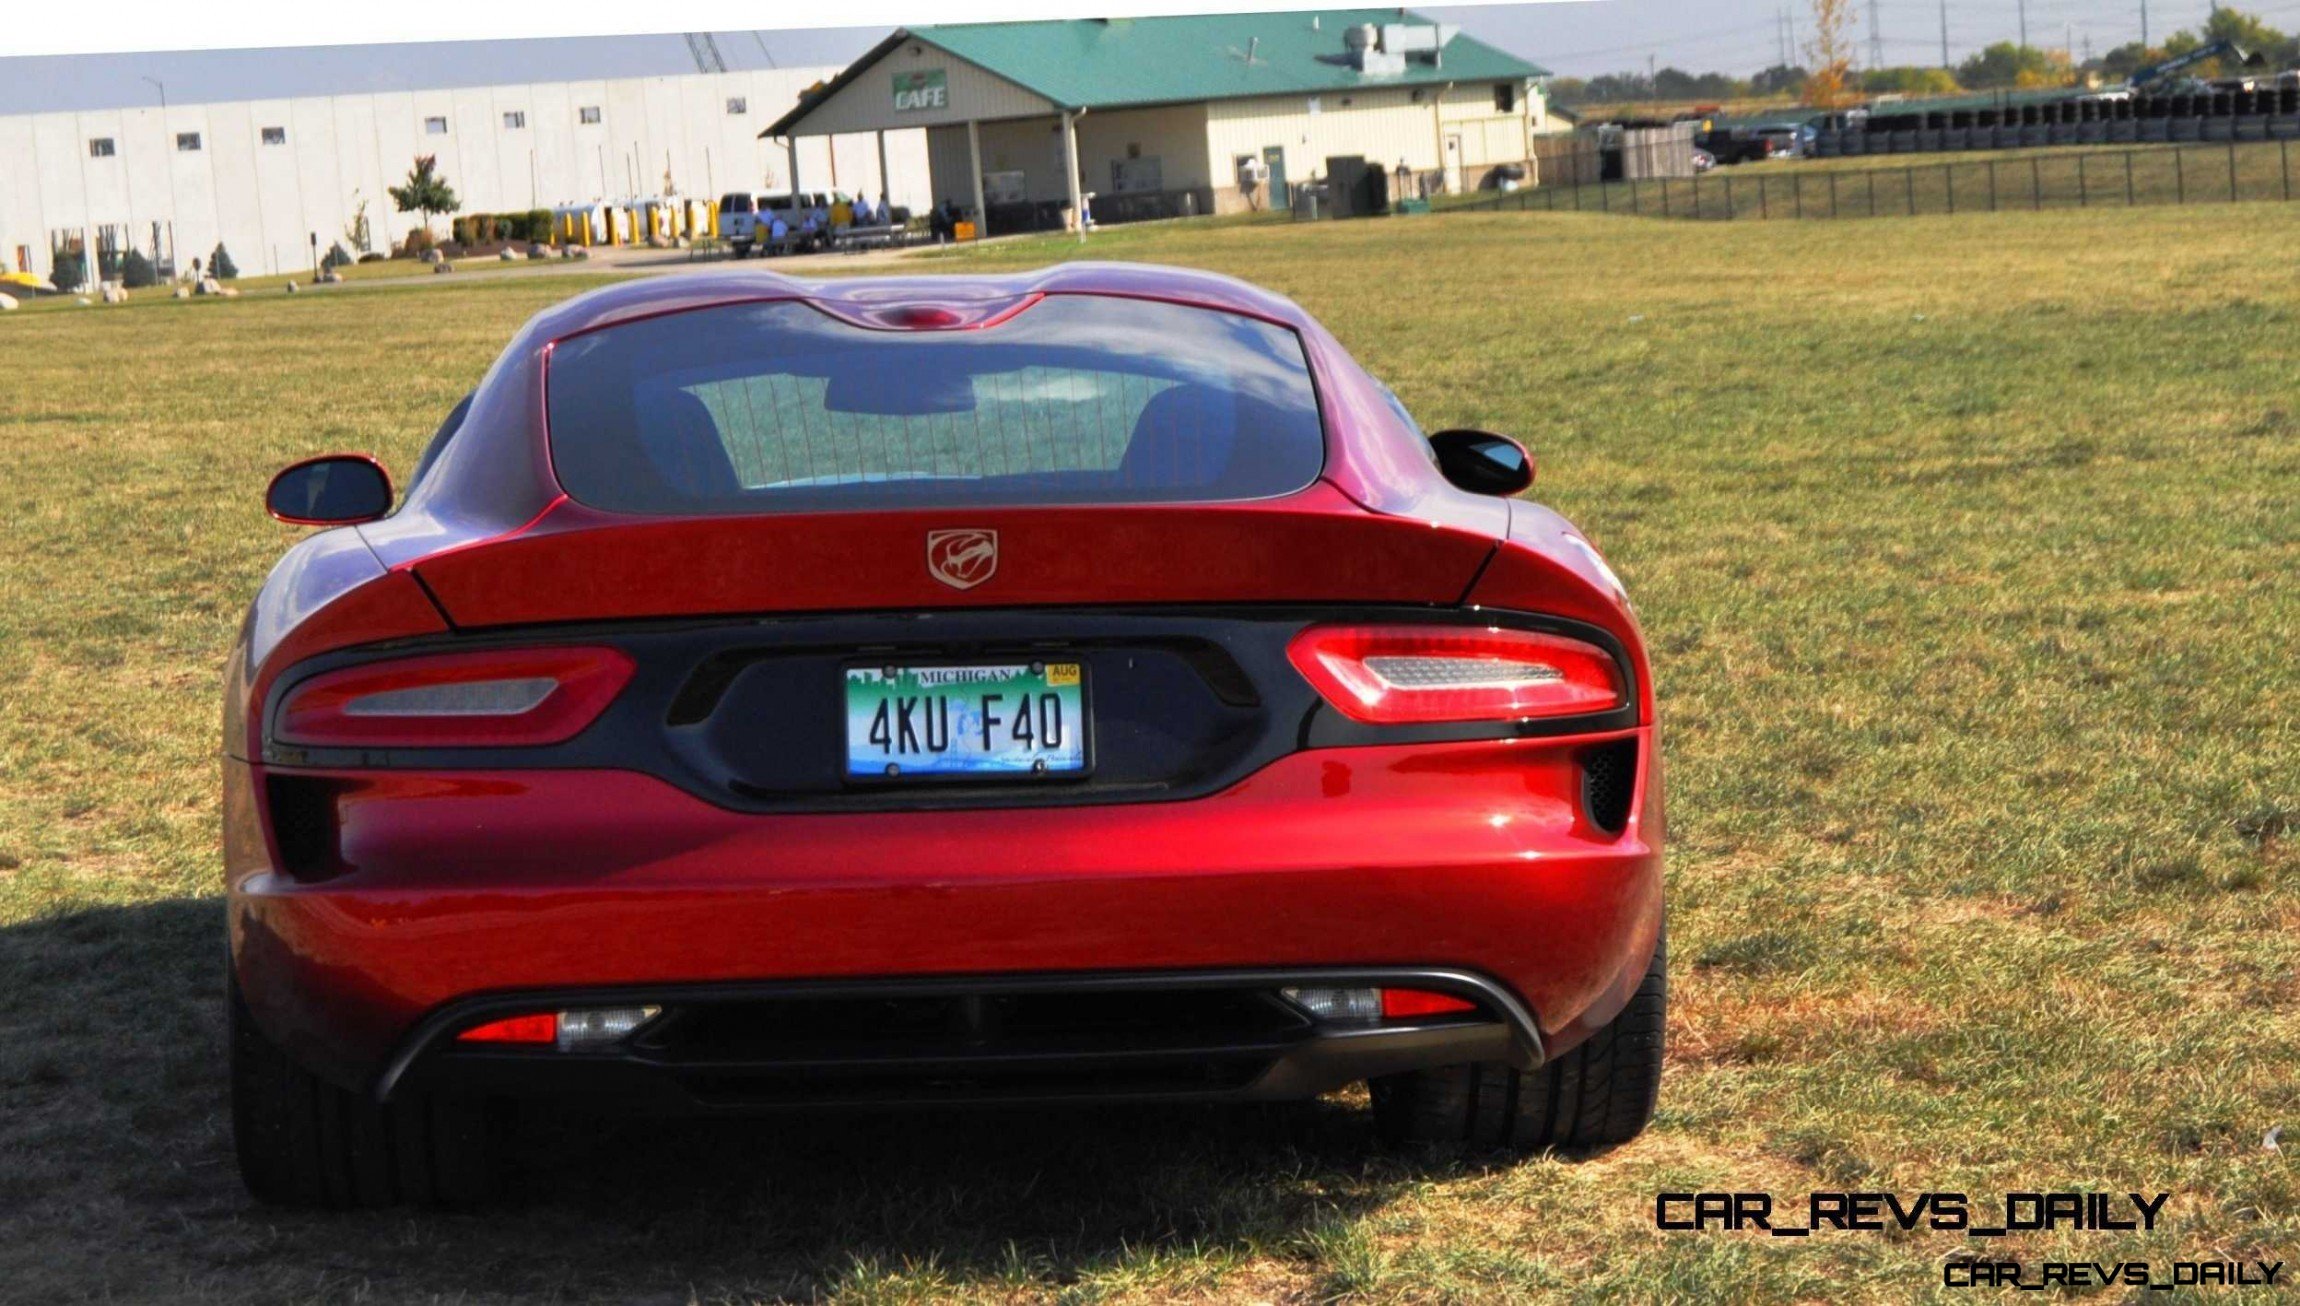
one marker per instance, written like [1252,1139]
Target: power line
[1672,40]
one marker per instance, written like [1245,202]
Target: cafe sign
[926,88]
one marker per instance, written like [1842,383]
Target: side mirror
[336,489]
[1482,462]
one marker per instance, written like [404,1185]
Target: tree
[137,272]
[1832,52]
[2006,64]
[65,270]
[356,230]
[1909,81]
[1780,79]
[426,192]
[2247,32]
[2122,62]
[220,265]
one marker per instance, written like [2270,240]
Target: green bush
[67,273]
[418,240]
[220,265]
[539,226]
[137,272]
[336,257]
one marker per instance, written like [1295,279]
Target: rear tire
[1598,1095]
[304,1142]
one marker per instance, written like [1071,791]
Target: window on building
[514,120]
[588,115]
[737,104]
[435,126]
[187,141]
[275,135]
[100,147]
[1505,97]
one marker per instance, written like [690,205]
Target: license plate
[986,720]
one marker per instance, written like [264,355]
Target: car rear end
[997,700]
[739,218]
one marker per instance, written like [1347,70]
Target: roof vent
[1388,49]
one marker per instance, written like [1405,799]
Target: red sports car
[1082,685]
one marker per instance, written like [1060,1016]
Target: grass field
[1967,556]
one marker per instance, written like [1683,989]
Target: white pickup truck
[747,220]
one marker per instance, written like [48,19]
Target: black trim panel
[1309,1060]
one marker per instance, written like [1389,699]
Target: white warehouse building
[265,177]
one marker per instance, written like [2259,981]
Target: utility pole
[1876,38]
[2144,28]
[2023,5]
[1945,33]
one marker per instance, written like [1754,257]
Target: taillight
[541,1027]
[1398,1004]
[1397,675]
[497,698]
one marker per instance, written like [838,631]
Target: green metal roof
[1098,63]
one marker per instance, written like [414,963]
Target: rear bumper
[453,886]
[1226,1036]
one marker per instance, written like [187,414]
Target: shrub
[418,240]
[220,265]
[336,257]
[137,272]
[66,275]
[539,226]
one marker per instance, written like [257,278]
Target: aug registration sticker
[987,720]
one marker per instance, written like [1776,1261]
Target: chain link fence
[2235,172]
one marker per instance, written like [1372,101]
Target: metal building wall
[264,202]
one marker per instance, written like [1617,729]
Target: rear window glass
[1079,399]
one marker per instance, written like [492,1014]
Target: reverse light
[1338,1006]
[1397,675]
[495,698]
[589,1029]
[1351,1006]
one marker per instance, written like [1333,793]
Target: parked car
[1088,684]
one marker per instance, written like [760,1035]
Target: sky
[1578,39]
